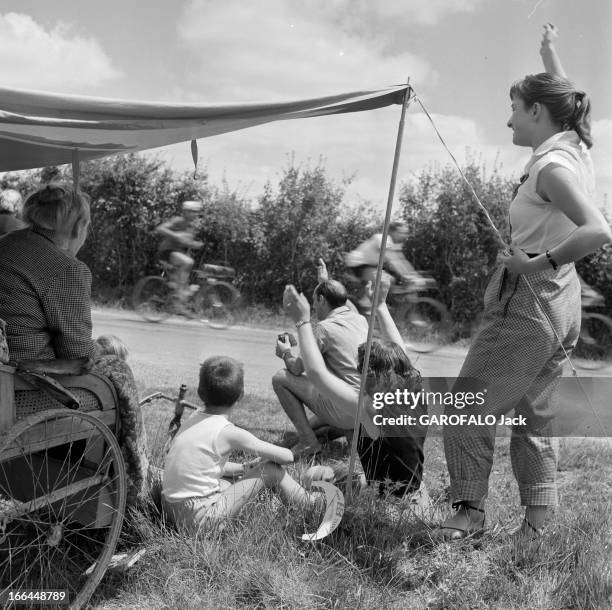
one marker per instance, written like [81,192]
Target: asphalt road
[168,354]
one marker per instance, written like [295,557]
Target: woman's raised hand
[550,34]
[295,304]
[385,284]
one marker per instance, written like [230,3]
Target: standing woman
[532,303]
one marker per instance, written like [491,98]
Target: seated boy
[194,490]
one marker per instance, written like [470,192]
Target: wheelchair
[63,484]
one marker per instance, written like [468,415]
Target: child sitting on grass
[111,345]
[194,490]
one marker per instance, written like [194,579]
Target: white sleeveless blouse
[539,225]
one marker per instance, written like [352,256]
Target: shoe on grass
[468,520]
[304,450]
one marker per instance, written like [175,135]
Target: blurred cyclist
[178,238]
[364,259]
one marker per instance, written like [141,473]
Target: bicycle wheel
[427,324]
[215,302]
[63,492]
[594,348]
[152,298]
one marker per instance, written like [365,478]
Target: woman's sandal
[522,534]
[458,533]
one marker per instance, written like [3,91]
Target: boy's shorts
[191,513]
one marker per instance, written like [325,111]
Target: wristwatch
[551,260]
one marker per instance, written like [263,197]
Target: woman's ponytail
[581,120]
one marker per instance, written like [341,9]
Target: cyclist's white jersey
[367,253]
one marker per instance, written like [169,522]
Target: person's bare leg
[315,422]
[182,265]
[293,392]
[290,491]
[264,475]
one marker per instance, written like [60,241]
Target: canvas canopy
[40,129]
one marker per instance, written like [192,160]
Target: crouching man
[339,332]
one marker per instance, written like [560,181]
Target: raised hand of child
[385,284]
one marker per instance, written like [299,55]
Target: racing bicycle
[594,348]
[423,320]
[212,296]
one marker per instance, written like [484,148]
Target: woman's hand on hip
[515,260]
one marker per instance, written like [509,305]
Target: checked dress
[516,355]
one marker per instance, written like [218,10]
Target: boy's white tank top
[193,464]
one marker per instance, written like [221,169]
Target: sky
[461,57]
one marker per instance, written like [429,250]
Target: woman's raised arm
[298,309]
[552,63]
[385,320]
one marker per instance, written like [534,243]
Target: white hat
[192,206]
[10,201]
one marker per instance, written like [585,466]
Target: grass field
[382,555]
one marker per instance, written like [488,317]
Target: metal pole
[76,168]
[375,295]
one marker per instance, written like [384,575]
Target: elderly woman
[45,302]
[10,206]
[45,289]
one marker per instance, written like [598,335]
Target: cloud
[280,49]
[602,159]
[409,12]
[358,146]
[56,59]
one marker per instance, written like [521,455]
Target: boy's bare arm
[238,439]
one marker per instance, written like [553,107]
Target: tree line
[278,240]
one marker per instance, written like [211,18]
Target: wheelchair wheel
[152,298]
[215,303]
[426,323]
[594,348]
[62,502]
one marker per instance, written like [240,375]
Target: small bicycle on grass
[212,296]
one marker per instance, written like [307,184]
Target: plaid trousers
[518,359]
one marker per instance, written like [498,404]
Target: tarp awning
[41,129]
